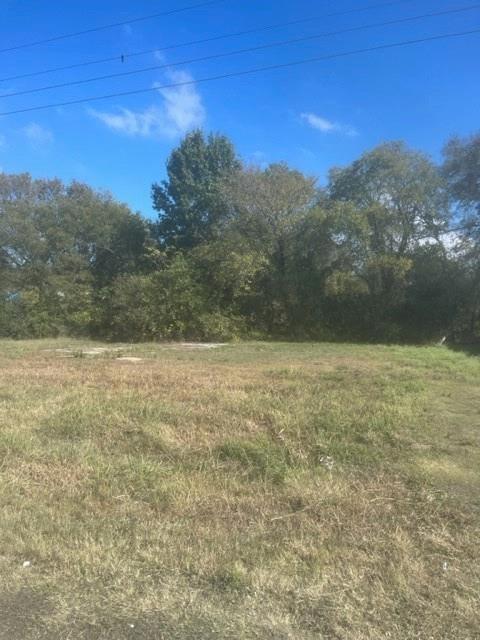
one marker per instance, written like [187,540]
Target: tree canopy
[388,250]
[189,202]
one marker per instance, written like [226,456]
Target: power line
[126,56]
[110,26]
[239,51]
[245,72]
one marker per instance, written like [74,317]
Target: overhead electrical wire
[236,74]
[103,27]
[125,56]
[240,51]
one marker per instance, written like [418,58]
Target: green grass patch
[258,490]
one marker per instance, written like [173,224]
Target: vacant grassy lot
[270,491]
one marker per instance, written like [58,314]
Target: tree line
[388,250]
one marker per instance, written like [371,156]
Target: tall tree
[398,201]
[266,207]
[189,202]
[401,194]
[57,244]
[461,169]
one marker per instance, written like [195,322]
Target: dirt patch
[199,345]
[85,351]
[21,615]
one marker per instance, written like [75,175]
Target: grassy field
[270,491]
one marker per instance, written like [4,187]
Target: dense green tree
[266,207]
[169,304]
[241,250]
[189,202]
[57,245]
[461,169]
[437,291]
[401,194]
[398,202]
[322,277]
[230,271]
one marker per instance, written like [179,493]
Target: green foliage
[189,202]
[393,200]
[399,191]
[344,284]
[169,304]
[241,251]
[58,244]
[462,171]
[217,326]
[265,208]
[161,305]
[434,297]
[125,311]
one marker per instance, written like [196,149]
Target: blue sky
[312,116]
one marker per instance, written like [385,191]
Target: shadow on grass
[471,349]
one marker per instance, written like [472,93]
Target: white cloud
[148,123]
[183,105]
[37,135]
[180,111]
[327,126]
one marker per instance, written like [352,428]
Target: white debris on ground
[327,462]
[100,351]
[200,345]
[26,564]
[85,351]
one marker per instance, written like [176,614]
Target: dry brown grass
[186,495]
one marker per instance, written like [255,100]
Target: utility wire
[245,72]
[126,56]
[74,34]
[239,51]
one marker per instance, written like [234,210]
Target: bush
[165,305]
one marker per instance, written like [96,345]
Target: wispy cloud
[38,136]
[328,126]
[145,124]
[183,105]
[180,111]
